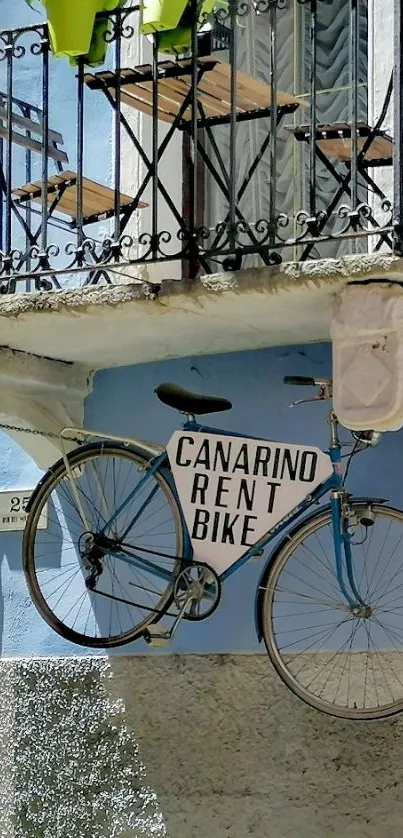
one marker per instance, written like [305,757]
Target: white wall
[137,50]
[380,66]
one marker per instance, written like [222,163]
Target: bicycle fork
[342,547]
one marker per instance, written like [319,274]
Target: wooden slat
[259,97]
[170,89]
[168,101]
[256,92]
[139,98]
[213,89]
[97,198]
[30,125]
[145,69]
[216,98]
[334,139]
[145,95]
[171,93]
[35,187]
[144,107]
[221,87]
[211,104]
[381,148]
[34,145]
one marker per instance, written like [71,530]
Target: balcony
[271,140]
[245,179]
[160,206]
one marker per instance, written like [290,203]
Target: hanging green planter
[170,18]
[165,15]
[99,45]
[72,24]
[161,15]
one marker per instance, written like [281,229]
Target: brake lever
[322,396]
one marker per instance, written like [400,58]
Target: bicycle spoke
[343,659]
[79,581]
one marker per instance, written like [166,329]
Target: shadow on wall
[17,471]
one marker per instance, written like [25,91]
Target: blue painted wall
[123,402]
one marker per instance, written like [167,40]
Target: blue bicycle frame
[333,485]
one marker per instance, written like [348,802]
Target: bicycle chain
[35,432]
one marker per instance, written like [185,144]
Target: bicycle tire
[283,556]
[45,494]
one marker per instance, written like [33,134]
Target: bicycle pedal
[157,637]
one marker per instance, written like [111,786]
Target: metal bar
[14,210]
[80,159]
[9,148]
[28,216]
[33,237]
[258,157]
[45,138]
[163,146]
[261,249]
[155,158]
[354,69]
[398,127]
[217,153]
[344,181]
[312,110]
[190,244]
[291,242]
[2,197]
[117,138]
[273,123]
[231,226]
[344,187]
[251,170]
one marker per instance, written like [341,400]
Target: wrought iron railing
[256,146]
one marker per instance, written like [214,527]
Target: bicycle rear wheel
[95,584]
[341,660]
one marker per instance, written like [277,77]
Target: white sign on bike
[233,490]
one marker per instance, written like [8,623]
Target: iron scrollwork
[241,230]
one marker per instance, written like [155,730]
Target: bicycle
[137,532]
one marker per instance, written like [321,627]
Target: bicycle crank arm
[157,636]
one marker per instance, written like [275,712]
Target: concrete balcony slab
[129,324]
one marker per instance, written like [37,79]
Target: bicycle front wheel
[343,660]
[96,583]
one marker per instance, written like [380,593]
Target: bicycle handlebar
[364,439]
[307,381]
[298,380]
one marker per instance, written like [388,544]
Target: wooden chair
[253,100]
[98,200]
